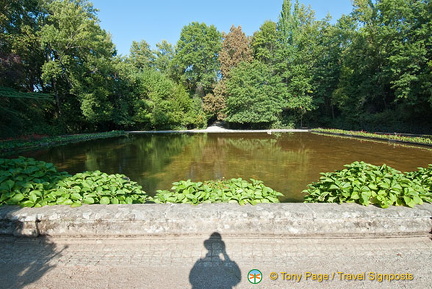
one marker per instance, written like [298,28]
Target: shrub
[232,191]
[424,176]
[24,181]
[366,184]
[97,188]
[31,183]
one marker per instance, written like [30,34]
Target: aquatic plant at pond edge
[367,184]
[424,176]
[30,183]
[423,140]
[223,191]
[98,188]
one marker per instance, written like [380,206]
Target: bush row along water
[30,183]
[424,140]
[32,142]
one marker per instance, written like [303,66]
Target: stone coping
[287,219]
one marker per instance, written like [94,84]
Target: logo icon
[255,276]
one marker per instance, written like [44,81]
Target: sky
[157,20]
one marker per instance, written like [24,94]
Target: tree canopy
[196,57]
[370,69]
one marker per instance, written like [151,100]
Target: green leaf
[104,201]
[16,198]
[76,196]
[76,204]
[27,204]
[9,184]
[88,200]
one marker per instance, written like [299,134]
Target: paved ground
[180,262]
[176,246]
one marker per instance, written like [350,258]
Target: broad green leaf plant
[30,183]
[368,184]
[236,191]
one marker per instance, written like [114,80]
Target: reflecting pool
[287,162]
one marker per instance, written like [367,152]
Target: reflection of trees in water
[212,271]
[285,162]
[276,160]
[142,159]
[157,160]
[158,152]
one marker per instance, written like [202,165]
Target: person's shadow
[23,260]
[213,272]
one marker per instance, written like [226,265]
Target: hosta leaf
[76,196]
[88,201]
[76,204]
[104,201]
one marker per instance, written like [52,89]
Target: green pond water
[286,162]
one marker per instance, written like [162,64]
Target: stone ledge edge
[287,219]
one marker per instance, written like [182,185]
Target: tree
[265,43]
[196,58]
[163,57]
[255,95]
[23,108]
[23,112]
[141,55]
[20,54]
[363,85]
[385,78]
[78,55]
[327,69]
[235,49]
[163,104]
[297,56]
[408,26]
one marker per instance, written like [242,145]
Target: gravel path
[216,262]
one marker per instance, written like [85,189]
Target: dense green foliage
[97,188]
[196,59]
[423,140]
[371,69]
[424,176]
[237,191]
[31,183]
[33,142]
[369,184]
[253,94]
